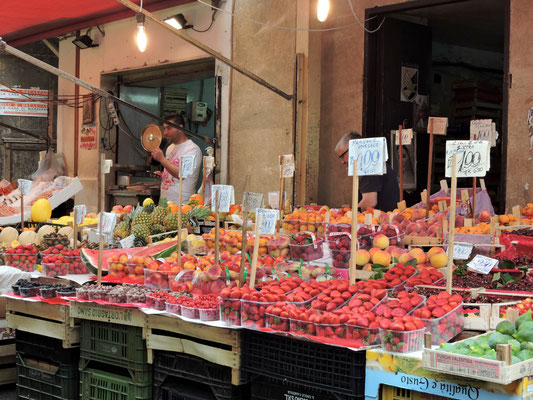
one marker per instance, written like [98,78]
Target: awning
[25,21]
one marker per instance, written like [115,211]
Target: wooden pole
[204,180]
[256,252]
[180,193]
[244,239]
[281,185]
[451,226]
[75,227]
[474,199]
[21,210]
[102,206]
[217,230]
[355,206]
[401,161]
[430,166]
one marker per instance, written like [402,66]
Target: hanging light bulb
[141,33]
[322,10]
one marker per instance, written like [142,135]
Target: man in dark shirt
[378,191]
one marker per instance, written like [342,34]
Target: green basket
[118,345]
[100,385]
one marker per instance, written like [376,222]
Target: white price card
[254,201]
[461,251]
[268,220]
[473,157]
[483,129]
[24,186]
[187,165]
[225,197]
[287,159]
[209,162]
[107,222]
[287,170]
[81,212]
[107,166]
[438,125]
[407,137]
[127,242]
[371,155]
[482,264]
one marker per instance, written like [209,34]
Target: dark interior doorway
[445,58]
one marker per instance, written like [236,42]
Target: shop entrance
[446,58]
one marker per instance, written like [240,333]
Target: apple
[118,209]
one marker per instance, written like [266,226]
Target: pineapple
[157,229]
[171,221]
[122,230]
[160,212]
[140,231]
[142,216]
[139,242]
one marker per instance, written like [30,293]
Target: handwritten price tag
[81,212]
[482,264]
[209,162]
[371,155]
[225,197]
[268,220]
[407,137]
[127,242]
[473,157]
[187,165]
[107,222]
[287,170]
[255,201]
[438,125]
[24,186]
[461,251]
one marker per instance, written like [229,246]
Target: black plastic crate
[46,348]
[315,365]
[170,365]
[277,389]
[42,380]
[104,385]
[183,391]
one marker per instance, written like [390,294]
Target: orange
[186,208]
[173,208]
[196,199]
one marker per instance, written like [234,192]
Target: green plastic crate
[100,385]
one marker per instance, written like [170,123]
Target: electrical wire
[212,20]
[360,23]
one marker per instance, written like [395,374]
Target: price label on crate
[407,137]
[81,212]
[371,155]
[473,157]
[268,220]
[225,197]
[187,165]
[107,223]
[24,186]
[461,251]
[255,201]
[127,242]
[482,264]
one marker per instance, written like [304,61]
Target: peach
[398,218]
[422,225]
[435,250]
[459,221]
[416,250]
[362,257]
[439,260]
[373,251]
[420,258]
[416,215]
[390,249]
[412,228]
[404,258]
[381,241]
[383,217]
[382,258]
[484,216]
[367,267]
[396,254]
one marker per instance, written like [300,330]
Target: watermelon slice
[90,257]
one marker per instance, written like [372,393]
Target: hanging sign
[107,223]
[225,197]
[438,125]
[81,212]
[461,251]
[407,137]
[371,155]
[268,220]
[127,242]
[17,102]
[24,186]
[483,129]
[473,157]
[482,264]
[187,165]
[254,201]
[287,166]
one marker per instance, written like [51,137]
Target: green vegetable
[515,360]
[525,355]
[523,318]
[515,346]
[497,338]
[525,335]
[526,325]
[506,328]
[526,346]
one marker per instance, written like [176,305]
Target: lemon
[15,243]
[41,210]
[147,202]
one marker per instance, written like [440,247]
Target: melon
[9,234]
[66,231]
[41,210]
[45,230]
[28,237]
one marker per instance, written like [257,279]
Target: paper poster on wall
[88,137]
[420,112]
[409,81]
[14,101]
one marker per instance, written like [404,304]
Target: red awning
[25,21]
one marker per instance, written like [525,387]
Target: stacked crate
[476,100]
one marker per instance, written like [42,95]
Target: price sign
[483,129]
[81,212]
[187,165]
[24,186]
[107,166]
[287,170]
[371,155]
[255,201]
[473,157]
[107,222]
[127,242]
[461,251]
[407,137]
[438,125]
[268,220]
[287,159]
[482,264]
[225,197]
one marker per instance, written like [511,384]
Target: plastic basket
[45,347]
[277,323]
[369,336]
[100,385]
[230,311]
[335,369]
[402,341]
[119,345]
[40,380]
[253,313]
[448,326]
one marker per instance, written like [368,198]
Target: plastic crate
[312,364]
[45,347]
[169,365]
[100,385]
[177,391]
[119,345]
[42,380]
[278,389]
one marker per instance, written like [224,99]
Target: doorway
[443,58]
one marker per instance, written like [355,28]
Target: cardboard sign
[187,165]
[24,186]
[473,157]
[287,159]
[438,125]
[407,137]
[81,212]
[273,198]
[127,242]
[268,220]
[482,264]
[254,201]
[461,251]
[209,162]
[371,155]
[287,170]
[483,129]
[107,222]
[107,166]
[225,197]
